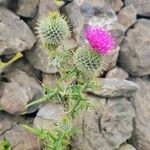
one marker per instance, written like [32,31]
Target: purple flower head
[99,39]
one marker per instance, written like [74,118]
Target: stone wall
[120,119]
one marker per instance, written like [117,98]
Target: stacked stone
[119,118]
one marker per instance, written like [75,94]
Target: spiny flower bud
[88,61]
[99,39]
[65,124]
[52,29]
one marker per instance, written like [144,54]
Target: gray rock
[49,114]
[27,8]
[111,88]
[127,16]
[49,79]
[20,138]
[126,147]
[117,121]
[8,121]
[142,6]
[77,20]
[4,3]
[5,123]
[141,103]
[15,35]
[23,65]
[44,7]
[90,8]
[105,126]
[68,44]
[89,136]
[16,93]
[110,60]
[117,73]
[134,58]
[116,5]
[118,32]
[38,57]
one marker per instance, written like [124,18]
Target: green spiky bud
[53,29]
[65,125]
[88,61]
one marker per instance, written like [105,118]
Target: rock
[90,8]
[111,59]
[68,44]
[89,136]
[4,3]
[116,5]
[126,147]
[77,20]
[105,126]
[141,104]
[12,39]
[27,8]
[49,79]
[134,58]
[23,65]
[117,121]
[118,32]
[111,88]
[117,73]
[49,114]
[38,57]
[5,123]
[127,16]
[20,138]
[142,6]
[16,93]
[44,7]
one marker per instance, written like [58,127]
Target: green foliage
[88,61]
[52,29]
[4,145]
[73,96]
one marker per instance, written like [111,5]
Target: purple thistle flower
[99,39]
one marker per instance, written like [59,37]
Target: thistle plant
[53,29]
[71,88]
